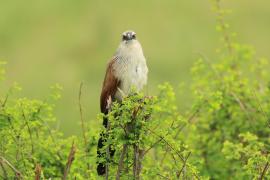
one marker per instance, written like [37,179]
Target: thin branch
[4,170]
[29,131]
[136,162]
[184,165]
[190,119]
[83,124]
[81,115]
[147,150]
[169,145]
[121,162]
[17,172]
[180,128]
[38,172]
[264,170]
[163,176]
[152,146]
[174,159]
[71,157]
[52,137]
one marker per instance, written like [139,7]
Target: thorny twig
[71,157]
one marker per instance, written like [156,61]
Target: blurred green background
[66,42]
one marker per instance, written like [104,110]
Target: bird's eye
[134,36]
[124,37]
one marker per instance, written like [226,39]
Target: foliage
[145,134]
[152,124]
[224,135]
[231,136]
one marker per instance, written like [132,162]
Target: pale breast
[132,73]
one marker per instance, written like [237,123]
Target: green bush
[148,126]
[234,92]
[145,134]
[224,135]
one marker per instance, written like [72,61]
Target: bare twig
[38,172]
[29,132]
[81,116]
[184,165]
[264,171]
[83,125]
[138,153]
[190,119]
[4,170]
[121,161]
[137,162]
[169,145]
[152,146]
[71,157]
[163,176]
[17,173]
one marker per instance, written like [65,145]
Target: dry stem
[38,172]
[71,157]
[83,124]
[121,161]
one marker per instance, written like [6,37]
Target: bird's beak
[129,36]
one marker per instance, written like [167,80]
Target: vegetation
[224,135]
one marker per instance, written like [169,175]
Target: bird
[127,70]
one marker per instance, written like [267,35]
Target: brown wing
[110,85]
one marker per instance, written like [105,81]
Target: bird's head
[128,36]
[129,44]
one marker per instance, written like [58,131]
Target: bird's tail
[101,166]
